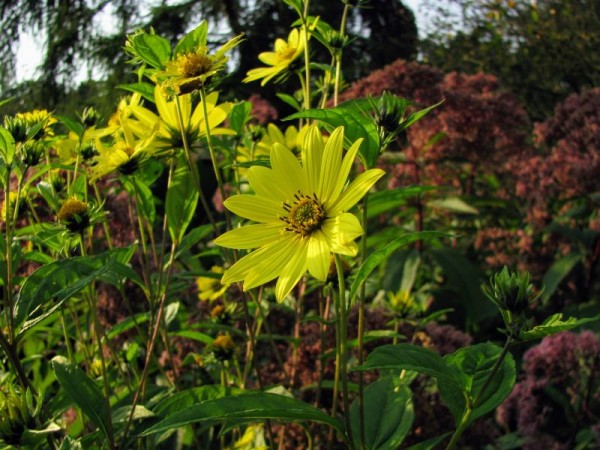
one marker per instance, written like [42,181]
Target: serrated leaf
[182,198]
[84,393]
[151,49]
[475,363]
[388,414]
[555,324]
[377,257]
[255,406]
[192,40]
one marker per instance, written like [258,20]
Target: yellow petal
[343,173]
[250,236]
[254,207]
[312,155]
[332,159]
[272,263]
[291,273]
[317,257]
[357,189]
[288,170]
[269,58]
[341,229]
[264,183]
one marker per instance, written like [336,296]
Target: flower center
[286,53]
[305,215]
[193,64]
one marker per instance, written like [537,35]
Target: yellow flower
[127,152]
[210,288]
[279,60]
[301,210]
[191,69]
[169,131]
[37,116]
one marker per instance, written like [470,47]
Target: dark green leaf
[379,256]
[429,444]
[476,363]
[388,414]
[555,324]
[73,125]
[83,392]
[127,324]
[559,270]
[145,199]
[190,397]
[412,357]
[256,406]
[387,200]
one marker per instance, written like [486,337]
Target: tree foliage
[542,50]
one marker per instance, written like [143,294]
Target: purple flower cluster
[559,394]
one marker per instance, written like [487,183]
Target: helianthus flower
[169,132]
[279,60]
[127,152]
[301,210]
[191,69]
[210,288]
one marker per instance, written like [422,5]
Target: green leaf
[476,363]
[121,414]
[190,397]
[357,124]
[46,289]
[255,406]
[146,90]
[429,444]
[412,357]
[453,204]
[462,287]
[127,324]
[555,324]
[7,146]
[194,335]
[240,114]
[418,115]
[194,39]
[379,256]
[151,49]
[387,200]
[141,192]
[72,125]
[388,413]
[182,198]
[289,100]
[84,392]
[559,270]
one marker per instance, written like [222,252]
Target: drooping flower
[191,68]
[279,60]
[169,131]
[302,213]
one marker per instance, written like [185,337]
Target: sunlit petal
[355,191]
[317,257]
[254,207]
[250,236]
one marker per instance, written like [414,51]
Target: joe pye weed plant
[142,308]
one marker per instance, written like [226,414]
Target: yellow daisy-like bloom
[279,60]
[301,210]
[211,288]
[127,152]
[169,132]
[37,116]
[190,70]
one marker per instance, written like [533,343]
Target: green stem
[194,168]
[361,329]
[472,404]
[342,348]
[213,156]
[306,58]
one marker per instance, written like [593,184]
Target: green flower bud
[17,127]
[90,117]
[510,291]
[15,416]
